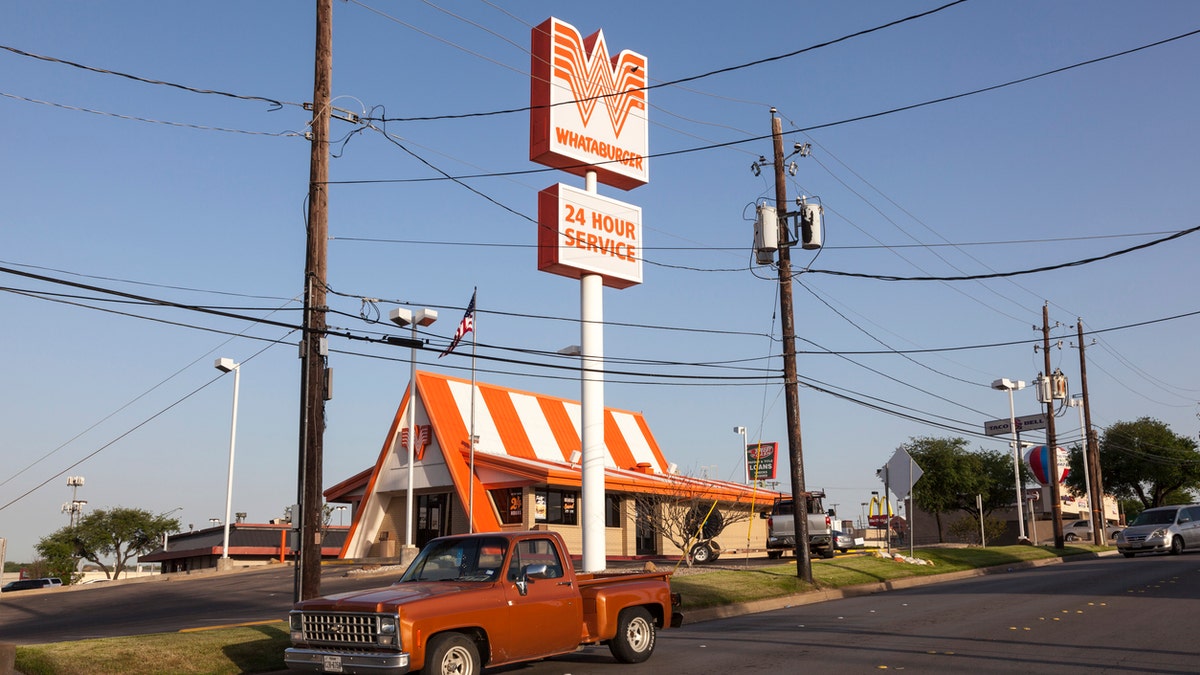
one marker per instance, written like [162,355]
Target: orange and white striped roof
[521,436]
[531,426]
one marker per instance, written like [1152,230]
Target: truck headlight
[387,625]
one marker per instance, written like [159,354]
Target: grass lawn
[244,649]
[722,587]
[259,648]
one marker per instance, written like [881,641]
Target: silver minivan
[1165,529]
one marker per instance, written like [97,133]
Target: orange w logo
[593,77]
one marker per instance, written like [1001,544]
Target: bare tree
[689,515]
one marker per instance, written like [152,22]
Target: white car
[1166,529]
[1075,530]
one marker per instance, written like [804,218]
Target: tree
[953,476]
[1146,461]
[119,533]
[57,557]
[687,514]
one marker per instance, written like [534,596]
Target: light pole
[862,524]
[745,459]
[225,366]
[405,317]
[1005,384]
[167,535]
[74,482]
[1083,445]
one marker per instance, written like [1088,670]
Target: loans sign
[588,110]
[761,460]
[581,232]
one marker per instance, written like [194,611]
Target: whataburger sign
[588,113]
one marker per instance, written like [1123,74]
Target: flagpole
[471,482]
[467,325]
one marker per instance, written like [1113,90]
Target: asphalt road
[164,604]
[1105,615]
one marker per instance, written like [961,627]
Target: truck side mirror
[528,573]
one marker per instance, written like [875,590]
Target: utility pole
[1051,446]
[790,384]
[314,349]
[1091,451]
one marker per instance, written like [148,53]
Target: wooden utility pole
[1091,451]
[1051,442]
[790,383]
[314,349]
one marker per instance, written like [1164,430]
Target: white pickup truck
[781,530]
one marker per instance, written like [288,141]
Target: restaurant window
[612,511]
[557,507]
[510,503]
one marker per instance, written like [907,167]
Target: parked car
[1075,530]
[1166,529]
[842,541]
[30,584]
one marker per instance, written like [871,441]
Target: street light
[225,366]
[405,317]
[745,459]
[339,509]
[1005,384]
[1077,402]
[167,535]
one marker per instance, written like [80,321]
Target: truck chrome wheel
[635,638]
[452,654]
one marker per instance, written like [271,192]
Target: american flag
[467,325]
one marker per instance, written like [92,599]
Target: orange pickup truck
[481,600]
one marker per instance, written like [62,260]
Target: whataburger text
[606,152]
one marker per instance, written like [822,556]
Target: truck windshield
[459,559]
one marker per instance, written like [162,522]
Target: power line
[690,78]
[137,78]
[1001,275]
[752,139]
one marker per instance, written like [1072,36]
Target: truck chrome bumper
[352,662]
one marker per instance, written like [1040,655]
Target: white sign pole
[591,340]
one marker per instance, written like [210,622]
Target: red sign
[761,459]
[877,521]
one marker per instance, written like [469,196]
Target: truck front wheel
[452,654]
[634,641]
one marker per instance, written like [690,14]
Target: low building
[250,544]
[524,473]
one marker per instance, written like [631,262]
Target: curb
[819,595]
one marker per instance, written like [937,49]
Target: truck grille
[340,629]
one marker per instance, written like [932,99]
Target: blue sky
[1057,169]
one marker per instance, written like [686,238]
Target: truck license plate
[332,664]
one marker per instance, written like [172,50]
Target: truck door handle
[564,583]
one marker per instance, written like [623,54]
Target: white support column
[592,403]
